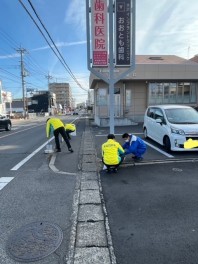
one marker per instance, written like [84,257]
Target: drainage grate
[34,241]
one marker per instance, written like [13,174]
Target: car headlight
[177,131]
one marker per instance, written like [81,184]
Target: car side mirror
[159,121]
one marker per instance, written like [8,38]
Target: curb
[90,239]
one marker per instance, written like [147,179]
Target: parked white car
[171,125]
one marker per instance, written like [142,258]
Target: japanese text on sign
[99,32]
[123,32]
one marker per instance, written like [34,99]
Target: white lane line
[10,134]
[159,150]
[21,163]
[4,181]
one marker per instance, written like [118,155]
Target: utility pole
[22,51]
[48,77]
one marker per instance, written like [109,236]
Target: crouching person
[112,153]
[134,145]
[69,128]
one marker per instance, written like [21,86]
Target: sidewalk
[90,240]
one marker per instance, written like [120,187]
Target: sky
[162,28]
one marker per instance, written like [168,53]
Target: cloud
[15,55]
[76,15]
[62,44]
[167,27]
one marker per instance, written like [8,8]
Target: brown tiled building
[157,79]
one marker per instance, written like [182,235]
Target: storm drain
[34,241]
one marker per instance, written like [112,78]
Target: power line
[63,62]
[71,73]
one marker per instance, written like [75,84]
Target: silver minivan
[171,125]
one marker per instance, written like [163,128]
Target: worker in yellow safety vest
[70,128]
[112,153]
[56,126]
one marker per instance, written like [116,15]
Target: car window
[182,116]
[150,112]
[159,114]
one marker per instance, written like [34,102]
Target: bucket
[49,148]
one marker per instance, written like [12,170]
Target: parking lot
[155,152]
[152,206]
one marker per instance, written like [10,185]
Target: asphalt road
[152,208]
[34,193]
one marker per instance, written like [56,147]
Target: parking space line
[159,150]
[104,135]
[156,162]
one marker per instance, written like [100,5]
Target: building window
[159,93]
[170,93]
[101,96]
[180,93]
[193,89]
[186,97]
[128,97]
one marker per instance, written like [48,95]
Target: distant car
[5,123]
[171,125]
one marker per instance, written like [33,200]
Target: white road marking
[4,181]
[54,169]
[157,162]
[159,150]
[102,135]
[10,134]
[21,163]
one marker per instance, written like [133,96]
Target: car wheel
[8,127]
[145,133]
[167,144]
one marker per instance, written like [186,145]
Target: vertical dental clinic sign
[123,32]
[99,33]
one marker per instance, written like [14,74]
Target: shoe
[58,150]
[115,170]
[71,150]
[104,167]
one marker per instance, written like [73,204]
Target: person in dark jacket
[56,126]
[134,145]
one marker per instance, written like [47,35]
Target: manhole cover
[34,241]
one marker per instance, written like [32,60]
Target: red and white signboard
[99,33]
